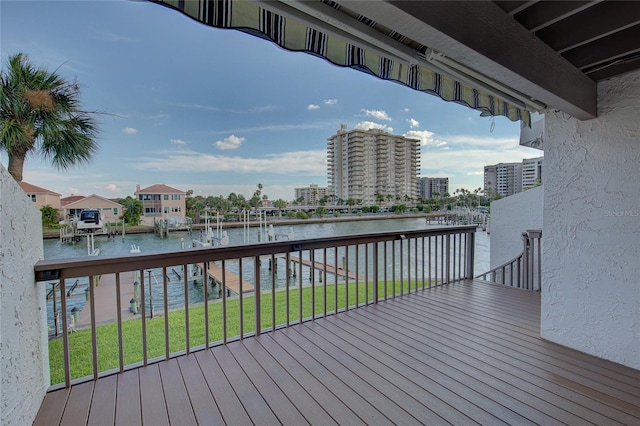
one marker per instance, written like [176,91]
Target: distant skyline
[219,111]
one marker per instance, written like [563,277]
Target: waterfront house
[161,201]
[72,207]
[40,196]
[576,352]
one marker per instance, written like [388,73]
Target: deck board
[52,408]
[230,406]
[152,402]
[463,353]
[103,404]
[175,394]
[204,406]
[128,410]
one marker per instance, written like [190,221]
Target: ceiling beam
[481,36]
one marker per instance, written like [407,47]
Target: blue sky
[220,111]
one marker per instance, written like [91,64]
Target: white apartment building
[312,194]
[432,187]
[509,178]
[364,163]
[531,172]
[504,179]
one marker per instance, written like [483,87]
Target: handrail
[322,276]
[527,265]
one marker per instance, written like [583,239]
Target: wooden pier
[105,297]
[320,266]
[231,280]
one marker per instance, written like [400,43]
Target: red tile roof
[32,189]
[72,199]
[160,189]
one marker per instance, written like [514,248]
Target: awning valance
[344,38]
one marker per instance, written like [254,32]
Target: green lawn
[107,335]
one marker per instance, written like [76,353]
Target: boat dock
[105,296]
[231,280]
[320,266]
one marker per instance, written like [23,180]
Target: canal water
[151,243]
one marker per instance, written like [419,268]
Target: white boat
[90,221]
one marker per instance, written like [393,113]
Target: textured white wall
[510,217]
[591,264]
[24,352]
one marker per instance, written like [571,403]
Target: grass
[80,352]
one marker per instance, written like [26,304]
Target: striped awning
[298,30]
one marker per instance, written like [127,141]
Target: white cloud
[426,137]
[73,191]
[377,114]
[129,130]
[366,125]
[313,106]
[112,188]
[311,163]
[413,123]
[232,142]
[330,101]
[178,142]
[406,110]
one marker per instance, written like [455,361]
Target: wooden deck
[464,353]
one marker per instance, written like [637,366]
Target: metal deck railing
[320,277]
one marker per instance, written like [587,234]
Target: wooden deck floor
[460,354]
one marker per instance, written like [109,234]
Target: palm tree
[132,210]
[40,112]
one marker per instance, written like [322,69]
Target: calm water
[149,243]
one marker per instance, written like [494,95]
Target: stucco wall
[510,217]
[23,335]
[591,264]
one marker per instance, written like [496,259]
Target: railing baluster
[430,239]
[119,322]
[143,311]
[393,269]
[65,335]
[300,287]
[205,284]
[335,279]
[442,256]
[165,289]
[366,274]
[324,281]
[312,276]
[289,269]
[256,297]
[415,258]
[385,271]
[401,268]
[94,339]
[375,272]
[274,267]
[422,263]
[187,328]
[357,279]
[240,298]
[435,246]
[448,258]
[346,278]
[224,303]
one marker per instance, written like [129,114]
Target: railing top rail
[83,266]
